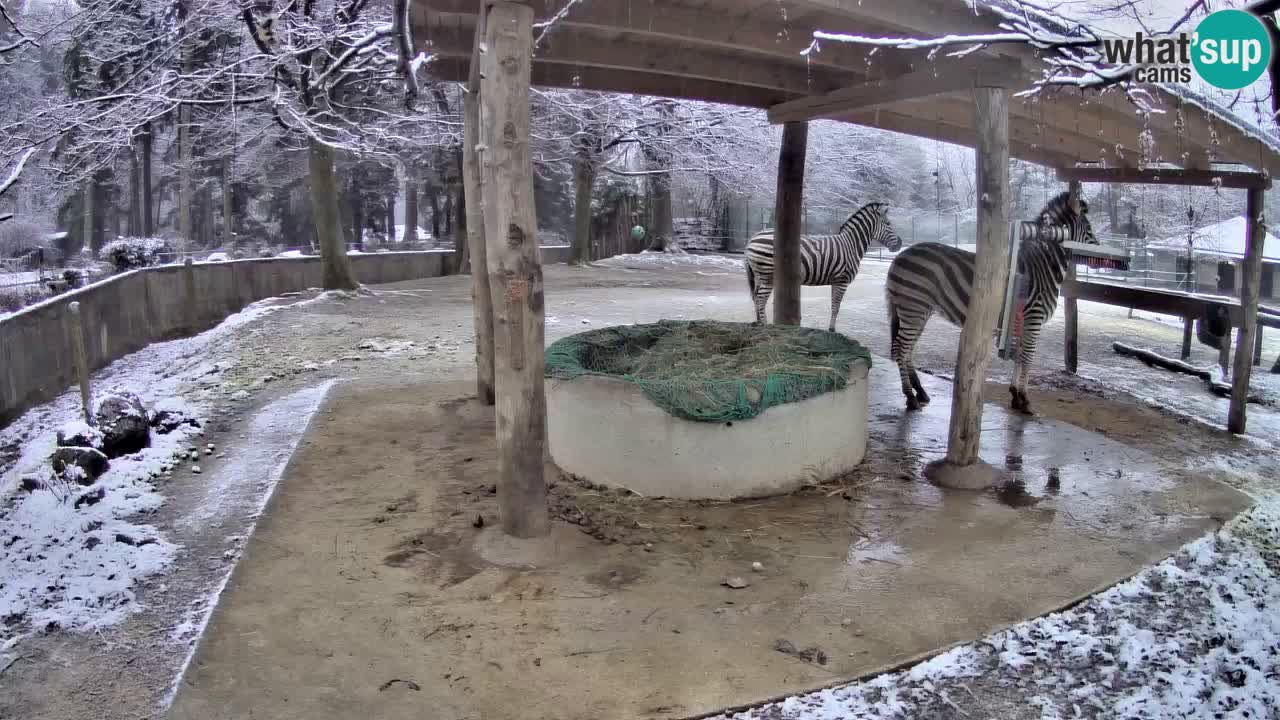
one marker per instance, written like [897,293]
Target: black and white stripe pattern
[825,259]
[930,277]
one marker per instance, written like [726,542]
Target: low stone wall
[126,312]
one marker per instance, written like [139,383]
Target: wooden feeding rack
[1098,256]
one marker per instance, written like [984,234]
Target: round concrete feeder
[607,432]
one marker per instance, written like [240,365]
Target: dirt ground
[124,672]
[401,600]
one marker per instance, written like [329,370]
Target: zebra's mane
[1058,210]
[871,208]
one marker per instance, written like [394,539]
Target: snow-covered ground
[71,556]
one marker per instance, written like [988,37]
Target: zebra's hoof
[922,398]
[912,404]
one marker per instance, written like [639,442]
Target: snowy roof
[764,54]
[1226,238]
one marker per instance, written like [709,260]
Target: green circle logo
[1232,49]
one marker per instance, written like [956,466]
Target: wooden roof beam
[961,75]
[1168,176]
[730,27]
[451,36]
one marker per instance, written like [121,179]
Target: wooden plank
[515,269]
[1235,179]
[1251,281]
[1071,315]
[473,197]
[75,329]
[991,117]
[953,77]
[787,220]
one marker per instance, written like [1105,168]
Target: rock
[82,464]
[169,415]
[79,434]
[736,583]
[757,566]
[123,423]
[846,622]
[93,497]
[92,542]
[196,469]
[208,451]
[32,483]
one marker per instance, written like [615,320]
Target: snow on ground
[70,556]
[651,259]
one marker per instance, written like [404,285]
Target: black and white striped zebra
[824,259]
[931,277]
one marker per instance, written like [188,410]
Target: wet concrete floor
[368,590]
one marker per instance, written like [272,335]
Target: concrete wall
[126,312]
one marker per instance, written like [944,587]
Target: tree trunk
[515,270]
[335,265]
[389,225]
[786,232]
[228,206]
[462,247]
[185,194]
[356,201]
[87,226]
[584,179]
[660,210]
[434,201]
[448,214]
[481,300]
[1070,311]
[148,222]
[410,232]
[135,196]
[991,270]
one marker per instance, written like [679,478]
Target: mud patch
[443,555]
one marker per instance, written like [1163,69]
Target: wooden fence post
[991,115]
[1187,333]
[1251,281]
[515,269]
[75,328]
[786,228]
[1071,314]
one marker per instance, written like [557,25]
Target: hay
[710,371]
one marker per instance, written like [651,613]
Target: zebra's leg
[921,395]
[764,287]
[1022,366]
[837,296]
[902,349]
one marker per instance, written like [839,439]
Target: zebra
[931,277]
[825,259]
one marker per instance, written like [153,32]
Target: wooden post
[1071,314]
[515,269]
[786,227]
[1187,327]
[1257,347]
[75,328]
[473,198]
[1250,282]
[990,274]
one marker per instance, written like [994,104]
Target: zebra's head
[881,228]
[1059,211]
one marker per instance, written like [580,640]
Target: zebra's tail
[893,327]
[751,281]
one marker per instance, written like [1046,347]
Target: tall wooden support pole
[75,328]
[1257,347]
[515,269]
[1249,286]
[1188,324]
[991,272]
[786,224]
[473,198]
[1071,315]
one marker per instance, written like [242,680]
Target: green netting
[711,371]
